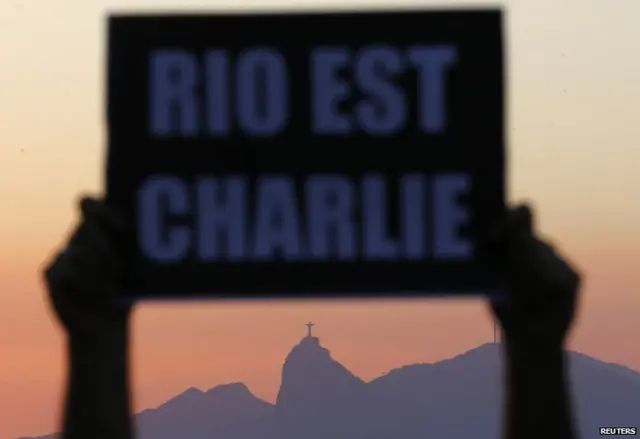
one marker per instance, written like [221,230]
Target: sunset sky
[574,138]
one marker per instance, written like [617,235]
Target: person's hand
[85,277]
[542,288]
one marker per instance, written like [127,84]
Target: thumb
[516,223]
[519,221]
[96,210]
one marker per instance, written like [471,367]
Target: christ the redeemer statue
[309,326]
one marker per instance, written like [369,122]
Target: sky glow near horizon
[573,136]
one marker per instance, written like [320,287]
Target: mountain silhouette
[315,387]
[218,412]
[319,398]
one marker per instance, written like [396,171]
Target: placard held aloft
[362,157]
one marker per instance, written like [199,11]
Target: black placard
[306,155]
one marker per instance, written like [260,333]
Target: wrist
[542,363]
[538,393]
[110,343]
[521,347]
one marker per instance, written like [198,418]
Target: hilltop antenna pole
[495,331]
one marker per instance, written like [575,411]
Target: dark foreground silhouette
[85,278]
[320,396]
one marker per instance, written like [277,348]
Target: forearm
[97,401]
[538,400]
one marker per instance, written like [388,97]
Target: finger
[89,263]
[73,271]
[539,274]
[530,263]
[97,210]
[99,231]
[519,221]
[51,273]
[73,278]
[565,277]
[99,245]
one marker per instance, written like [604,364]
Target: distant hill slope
[319,398]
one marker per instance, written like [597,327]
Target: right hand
[542,287]
[84,278]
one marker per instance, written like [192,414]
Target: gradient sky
[574,136]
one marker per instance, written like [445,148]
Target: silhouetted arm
[98,403]
[538,400]
[83,280]
[536,317]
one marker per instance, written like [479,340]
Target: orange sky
[574,138]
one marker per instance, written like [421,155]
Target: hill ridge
[320,398]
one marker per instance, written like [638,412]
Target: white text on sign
[339,220]
[212,94]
